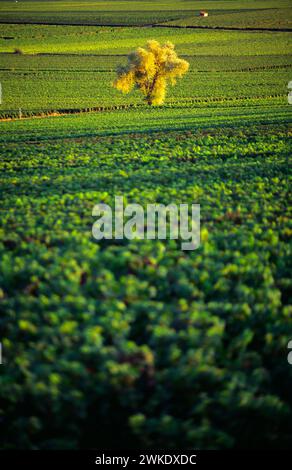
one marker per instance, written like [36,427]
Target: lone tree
[149,70]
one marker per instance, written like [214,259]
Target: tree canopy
[150,70]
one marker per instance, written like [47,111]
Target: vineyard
[135,343]
[195,340]
[243,13]
[74,67]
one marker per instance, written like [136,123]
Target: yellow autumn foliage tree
[149,70]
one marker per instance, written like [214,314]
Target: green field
[166,345]
[74,67]
[267,18]
[138,344]
[246,13]
[36,39]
